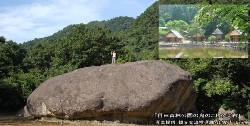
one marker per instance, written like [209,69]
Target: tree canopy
[235,14]
[195,28]
[178,25]
[116,24]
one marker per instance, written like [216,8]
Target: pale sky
[24,20]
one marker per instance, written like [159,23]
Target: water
[201,52]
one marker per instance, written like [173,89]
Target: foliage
[161,22]
[11,56]
[2,39]
[178,25]
[194,28]
[177,12]
[143,35]
[222,87]
[211,38]
[163,32]
[116,24]
[52,38]
[21,71]
[235,14]
[227,38]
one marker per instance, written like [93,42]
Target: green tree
[167,17]
[178,25]
[161,22]
[116,24]
[142,36]
[227,38]
[11,63]
[40,56]
[2,39]
[85,46]
[163,32]
[11,56]
[227,86]
[211,38]
[195,29]
[177,12]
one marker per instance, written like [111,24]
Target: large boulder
[130,92]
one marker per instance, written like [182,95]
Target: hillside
[52,38]
[142,39]
[116,24]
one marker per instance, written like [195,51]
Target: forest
[218,82]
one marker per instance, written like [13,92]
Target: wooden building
[199,36]
[173,36]
[218,34]
[235,35]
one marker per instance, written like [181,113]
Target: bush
[227,38]
[211,38]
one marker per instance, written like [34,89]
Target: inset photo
[203,31]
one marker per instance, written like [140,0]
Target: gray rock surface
[130,92]
[242,118]
[231,115]
[23,112]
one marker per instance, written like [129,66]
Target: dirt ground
[12,120]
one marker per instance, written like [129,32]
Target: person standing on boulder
[113,56]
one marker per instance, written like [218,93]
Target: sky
[24,20]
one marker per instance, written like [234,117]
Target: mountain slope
[52,38]
[116,24]
[142,39]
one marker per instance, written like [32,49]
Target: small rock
[23,112]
